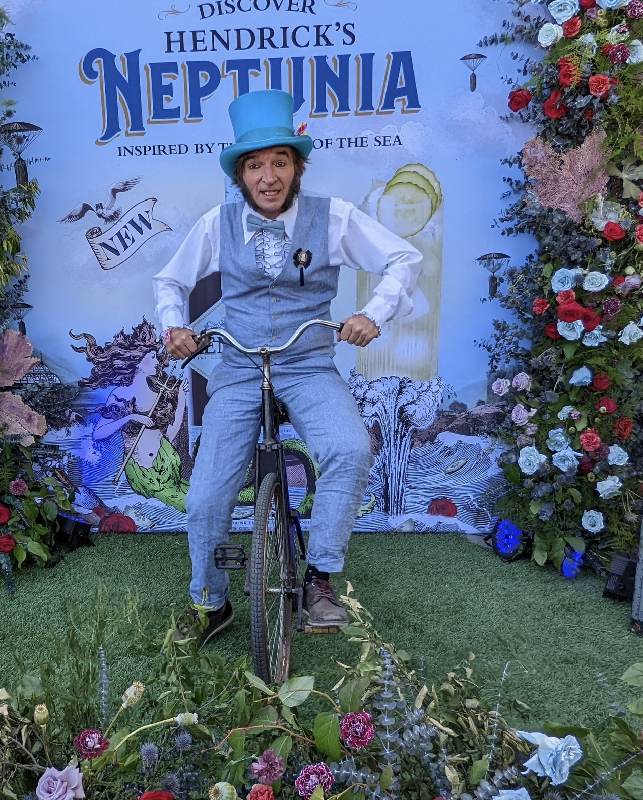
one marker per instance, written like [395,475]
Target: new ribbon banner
[407,119]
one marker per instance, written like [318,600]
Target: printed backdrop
[132,99]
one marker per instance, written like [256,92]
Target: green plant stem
[44,743]
[309,691]
[352,786]
[111,724]
[255,727]
[143,728]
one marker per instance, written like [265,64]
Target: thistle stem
[111,724]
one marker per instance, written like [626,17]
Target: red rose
[158,795]
[572,27]
[623,428]
[590,440]
[7,543]
[540,305]
[618,280]
[585,4]
[591,319]
[260,792]
[599,86]
[569,75]
[568,296]
[552,108]
[606,406]
[570,312]
[638,233]
[585,465]
[589,114]
[443,507]
[4,514]
[605,49]
[519,99]
[601,381]
[551,330]
[116,523]
[613,232]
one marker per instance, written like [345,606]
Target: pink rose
[500,386]
[522,382]
[520,415]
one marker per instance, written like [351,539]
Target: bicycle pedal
[315,629]
[230,556]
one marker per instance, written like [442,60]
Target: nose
[269,174]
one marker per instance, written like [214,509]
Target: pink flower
[619,54]
[357,729]
[635,10]
[500,386]
[519,415]
[57,784]
[90,744]
[312,776]
[531,429]
[269,768]
[522,382]
[18,487]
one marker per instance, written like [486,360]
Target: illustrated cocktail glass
[410,205]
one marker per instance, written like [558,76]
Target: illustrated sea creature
[104,211]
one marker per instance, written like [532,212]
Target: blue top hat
[262,119]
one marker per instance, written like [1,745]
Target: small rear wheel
[271,582]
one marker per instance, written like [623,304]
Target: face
[149,363]
[268,176]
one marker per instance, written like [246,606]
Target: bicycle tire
[270,571]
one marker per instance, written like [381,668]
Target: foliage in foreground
[202,728]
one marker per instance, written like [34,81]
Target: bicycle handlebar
[208,333]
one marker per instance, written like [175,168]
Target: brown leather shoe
[321,605]
[191,628]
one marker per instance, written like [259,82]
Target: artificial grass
[436,596]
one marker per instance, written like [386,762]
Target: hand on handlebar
[358,330]
[182,343]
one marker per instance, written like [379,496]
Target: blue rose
[554,757]
[593,521]
[562,280]
[611,4]
[583,376]
[562,10]
[557,440]
[513,794]
[595,337]
[530,459]
[595,282]
[609,488]
[564,412]
[631,333]
[617,456]
[566,460]
[571,330]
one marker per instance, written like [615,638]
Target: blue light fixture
[572,563]
[508,541]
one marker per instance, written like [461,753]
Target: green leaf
[19,553]
[354,630]
[237,741]
[29,687]
[282,747]
[634,784]
[258,683]
[575,495]
[37,549]
[512,474]
[557,729]
[478,770]
[569,348]
[350,695]
[576,542]
[540,556]
[129,763]
[49,510]
[634,675]
[386,778]
[295,691]
[267,716]
[326,735]
[636,707]
[548,269]
[581,423]
[318,794]
[535,506]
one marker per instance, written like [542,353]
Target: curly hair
[115,364]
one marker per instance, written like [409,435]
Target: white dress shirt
[354,240]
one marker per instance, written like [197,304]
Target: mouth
[270,193]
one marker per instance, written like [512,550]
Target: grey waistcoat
[262,310]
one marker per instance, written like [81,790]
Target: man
[268,291]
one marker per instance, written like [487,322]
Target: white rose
[631,333]
[550,34]
[563,10]
[571,330]
[610,487]
[593,521]
[617,456]
[595,282]
[530,459]
[636,52]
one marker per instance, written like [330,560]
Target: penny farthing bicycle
[272,579]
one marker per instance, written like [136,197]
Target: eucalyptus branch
[602,778]
[496,715]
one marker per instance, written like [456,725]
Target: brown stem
[44,742]
[255,727]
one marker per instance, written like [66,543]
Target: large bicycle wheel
[270,577]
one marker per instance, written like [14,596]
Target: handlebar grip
[198,351]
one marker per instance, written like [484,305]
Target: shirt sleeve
[360,242]
[196,258]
